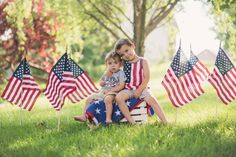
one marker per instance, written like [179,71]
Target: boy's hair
[122,42]
[114,56]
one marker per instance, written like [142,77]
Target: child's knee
[108,99]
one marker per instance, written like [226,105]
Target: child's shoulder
[143,59]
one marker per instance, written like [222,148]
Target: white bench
[139,114]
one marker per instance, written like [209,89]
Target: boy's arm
[146,78]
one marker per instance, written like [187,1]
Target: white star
[97,111]
[128,103]
[117,113]
[96,102]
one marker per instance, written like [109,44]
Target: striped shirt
[134,74]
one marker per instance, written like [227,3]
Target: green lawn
[204,127]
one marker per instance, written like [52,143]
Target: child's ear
[133,46]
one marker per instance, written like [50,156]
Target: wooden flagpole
[176,115]
[59,113]
[21,110]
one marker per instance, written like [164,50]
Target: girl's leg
[120,99]
[152,101]
[108,102]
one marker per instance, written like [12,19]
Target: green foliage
[225,20]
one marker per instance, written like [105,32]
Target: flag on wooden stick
[223,77]
[61,82]
[22,90]
[181,81]
[84,85]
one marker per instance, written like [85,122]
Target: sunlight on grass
[203,124]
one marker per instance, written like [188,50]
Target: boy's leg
[82,118]
[120,99]
[108,102]
[152,101]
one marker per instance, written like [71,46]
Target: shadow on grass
[211,138]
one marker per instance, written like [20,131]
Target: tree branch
[159,17]
[110,20]
[122,12]
[102,24]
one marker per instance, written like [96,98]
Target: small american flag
[22,90]
[181,81]
[134,74]
[223,77]
[200,69]
[84,85]
[60,83]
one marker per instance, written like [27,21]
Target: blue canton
[76,69]
[61,66]
[223,63]
[127,71]
[23,68]
[180,64]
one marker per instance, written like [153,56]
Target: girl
[137,77]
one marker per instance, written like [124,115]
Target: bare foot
[80,118]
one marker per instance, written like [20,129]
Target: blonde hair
[113,55]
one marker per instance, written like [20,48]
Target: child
[112,82]
[137,72]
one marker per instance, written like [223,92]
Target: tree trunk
[139,25]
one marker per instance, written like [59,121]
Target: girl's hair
[122,42]
[113,55]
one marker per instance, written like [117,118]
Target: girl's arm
[118,87]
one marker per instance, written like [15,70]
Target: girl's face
[113,65]
[127,52]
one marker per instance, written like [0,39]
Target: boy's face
[127,52]
[113,65]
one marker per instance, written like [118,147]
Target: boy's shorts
[146,93]
[101,95]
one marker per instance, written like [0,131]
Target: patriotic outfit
[116,78]
[134,74]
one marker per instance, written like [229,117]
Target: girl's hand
[137,93]
[106,91]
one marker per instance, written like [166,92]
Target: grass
[205,127]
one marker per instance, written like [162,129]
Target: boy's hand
[108,73]
[137,93]
[102,83]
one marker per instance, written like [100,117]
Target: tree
[147,15]
[225,20]
[27,32]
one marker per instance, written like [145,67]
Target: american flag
[134,74]
[22,90]
[181,81]
[60,83]
[200,69]
[84,85]
[97,111]
[223,77]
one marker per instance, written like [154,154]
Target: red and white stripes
[23,92]
[183,89]
[225,86]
